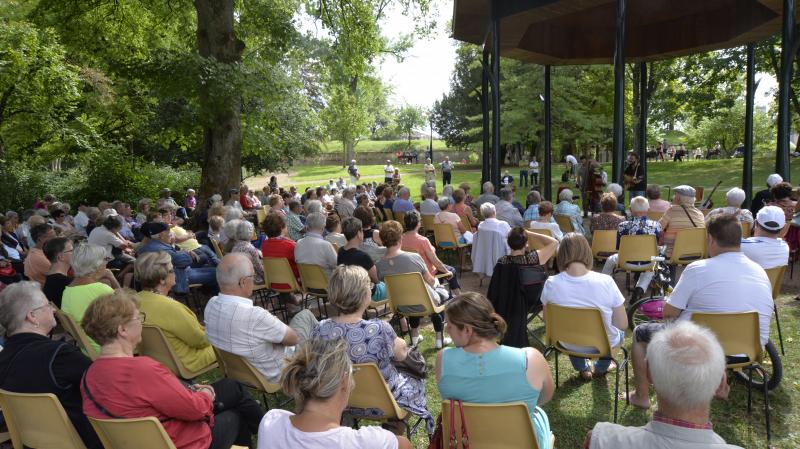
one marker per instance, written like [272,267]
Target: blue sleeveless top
[493,377]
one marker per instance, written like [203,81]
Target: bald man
[235,325]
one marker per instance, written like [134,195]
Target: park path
[285,179]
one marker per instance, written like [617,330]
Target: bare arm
[109,279]
[290,339]
[428,277]
[619,318]
[461,227]
[671,312]
[549,246]
[431,254]
[438,365]
[373,275]
[539,376]
[400,349]
[403,443]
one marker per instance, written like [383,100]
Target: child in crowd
[190,202]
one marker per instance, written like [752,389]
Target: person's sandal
[587,374]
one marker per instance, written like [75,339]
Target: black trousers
[446,177]
[436,320]
[236,415]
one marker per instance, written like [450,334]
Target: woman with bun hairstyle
[479,370]
[320,377]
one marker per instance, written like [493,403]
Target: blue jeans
[635,193]
[580,365]
[207,257]
[206,276]
[523,178]
[453,281]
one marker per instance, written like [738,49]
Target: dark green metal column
[486,161]
[495,78]
[643,106]
[747,163]
[618,148]
[784,85]
[547,172]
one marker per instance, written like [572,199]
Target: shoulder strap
[688,215]
[89,395]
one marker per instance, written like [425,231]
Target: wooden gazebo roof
[572,32]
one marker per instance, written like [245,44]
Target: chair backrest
[747,229]
[401,218]
[217,248]
[465,221]
[496,426]
[278,271]
[636,248]
[690,245]
[371,394]
[240,369]
[408,294]
[775,276]
[543,231]
[313,279]
[427,222]
[444,235]
[577,326]
[604,243]
[155,345]
[261,215]
[738,333]
[655,216]
[76,332]
[698,193]
[39,421]
[565,223]
[389,214]
[133,433]
[377,213]
[532,245]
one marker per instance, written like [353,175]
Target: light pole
[430,149]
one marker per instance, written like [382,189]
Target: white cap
[110,213]
[771,218]
[774,179]
[353,161]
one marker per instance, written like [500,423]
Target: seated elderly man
[728,282]
[313,249]
[487,196]
[161,239]
[506,211]
[428,206]
[403,203]
[734,198]
[681,215]
[567,208]
[235,325]
[679,352]
[639,224]
[766,248]
[489,242]
[344,205]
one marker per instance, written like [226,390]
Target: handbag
[437,440]
[413,365]
[8,271]
[530,275]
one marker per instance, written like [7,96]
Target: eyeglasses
[49,304]
[141,317]
[249,276]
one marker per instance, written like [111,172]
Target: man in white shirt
[766,248]
[235,325]
[313,249]
[429,206]
[572,164]
[388,171]
[534,171]
[506,211]
[728,282]
[81,219]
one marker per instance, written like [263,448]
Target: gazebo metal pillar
[486,162]
[784,85]
[643,106]
[747,163]
[495,79]
[546,179]
[618,148]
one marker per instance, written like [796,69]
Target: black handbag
[530,275]
[413,365]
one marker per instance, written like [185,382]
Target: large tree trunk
[222,143]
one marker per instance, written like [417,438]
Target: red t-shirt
[136,387]
[245,202]
[281,247]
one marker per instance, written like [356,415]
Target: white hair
[686,364]
[735,197]
[16,301]
[488,187]
[233,213]
[447,190]
[615,188]
[488,210]
[443,202]
[87,258]
[315,221]
[313,206]
[241,230]
[565,195]
[640,204]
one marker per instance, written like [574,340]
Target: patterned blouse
[605,222]
[639,226]
[254,255]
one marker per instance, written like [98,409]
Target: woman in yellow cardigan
[185,335]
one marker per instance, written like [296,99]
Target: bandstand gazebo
[575,32]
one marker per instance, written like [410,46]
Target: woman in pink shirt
[413,241]
[653,193]
[450,218]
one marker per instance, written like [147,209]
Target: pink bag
[653,309]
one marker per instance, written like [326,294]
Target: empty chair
[38,420]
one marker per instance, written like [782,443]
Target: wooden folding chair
[690,244]
[155,345]
[465,221]
[314,284]
[371,398]
[408,295]
[400,217]
[582,327]
[446,240]
[532,246]
[638,251]
[496,426]
[655,216]
[775,276]
[76,332]
[134,433]
[241,370]
[564,223]
[38,420]
[604,244]
[427,224]
[747,229]
[389,214]
[217,248]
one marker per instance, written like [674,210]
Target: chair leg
[266,400]
[778,323]
[557,353]
[749,391]
[766,406]
[616,393]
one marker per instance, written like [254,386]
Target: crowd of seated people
[81,264]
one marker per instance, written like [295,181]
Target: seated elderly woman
[397,261]
[567,208]
[14,246]
[462,234]
[240,233]
[278,244]
[320,378]
[371,341]
[413,241]
[156,276]
[92,280]
[461,208]
[653,193]
[608,219]
[34,363]
[479,370]
[681,215]
[59,222]
[333,231]
[532,203]
[734,198]
[569,288]
[119,385]
[546,221]
[512,291]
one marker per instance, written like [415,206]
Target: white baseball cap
[771,218]
[774,179]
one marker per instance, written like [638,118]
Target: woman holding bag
[479,370]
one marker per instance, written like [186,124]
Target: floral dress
[372,341]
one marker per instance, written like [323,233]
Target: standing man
[388,171]
[634,176]
[533,167]
[523,173]
[352,170]
[430,171]
[447,168]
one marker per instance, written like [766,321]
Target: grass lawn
[372,146]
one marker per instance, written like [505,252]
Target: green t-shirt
[76,300]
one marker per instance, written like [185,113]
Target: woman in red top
[244,200]
[278,244]
[119,385]
[412,240]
